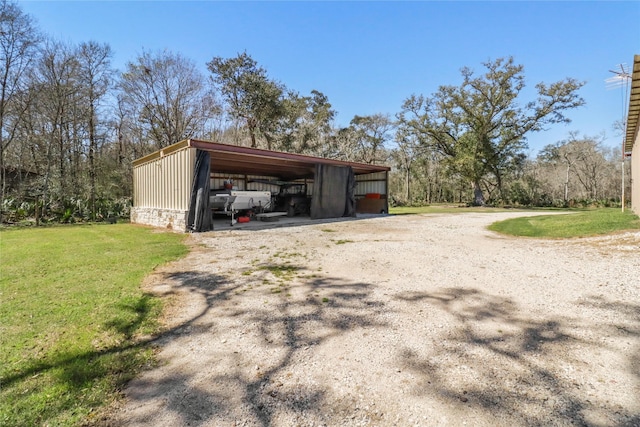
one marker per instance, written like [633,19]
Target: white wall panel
[371,183]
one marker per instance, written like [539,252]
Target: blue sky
[367,57]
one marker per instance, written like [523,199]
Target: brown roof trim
[634,107]
[161,153]
[227,158]
[257,152]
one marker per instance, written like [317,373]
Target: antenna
[621,78]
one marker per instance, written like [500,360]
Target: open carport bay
[179,187]
[396,320]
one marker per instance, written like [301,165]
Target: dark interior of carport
[333,181]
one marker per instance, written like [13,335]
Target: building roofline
[229,158]
[633,115]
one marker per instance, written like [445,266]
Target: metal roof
[634,106]
[234,159]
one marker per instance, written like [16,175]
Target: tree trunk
[251,126]
[3,175]
[408,182]
[566,185]
[92,166]
[478,196]
[269,140]
[253,138]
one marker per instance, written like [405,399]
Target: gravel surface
[427,320]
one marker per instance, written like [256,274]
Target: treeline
[71,125]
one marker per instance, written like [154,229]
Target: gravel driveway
[427,320]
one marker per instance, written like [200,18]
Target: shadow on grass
[533,360]
[134,313]
[83,377]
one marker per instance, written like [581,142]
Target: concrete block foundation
[170,219]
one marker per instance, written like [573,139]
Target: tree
[251,96]
[582,159]
[370,134]
[406,152]
[57,118]
[95,74]
[168,97]
[305,124]
[19,41]
[479,126]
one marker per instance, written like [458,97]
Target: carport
[172,185]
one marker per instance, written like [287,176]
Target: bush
[66,211]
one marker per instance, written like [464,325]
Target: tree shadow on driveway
[522,369]
[215,371]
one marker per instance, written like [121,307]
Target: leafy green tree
[480,126]
[306,123]
[371,134]
[251,96]
[271,113]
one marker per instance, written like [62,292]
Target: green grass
[576,223]
[71,313]
[281,271]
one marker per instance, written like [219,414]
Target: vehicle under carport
[172,186]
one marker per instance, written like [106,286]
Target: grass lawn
[71,310]
[577,223]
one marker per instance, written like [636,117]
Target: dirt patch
[412,320]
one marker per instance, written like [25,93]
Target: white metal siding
[371,183]
[242,182]
[217,180]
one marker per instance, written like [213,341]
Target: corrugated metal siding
[261,186]
[165,182]
[371,183]
[217,181]
[243,182]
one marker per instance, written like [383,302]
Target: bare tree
[95,75]
[57,118]
[168,97]
[18,47]
[583,165]
[592,166]
[406,152]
